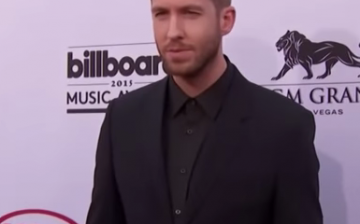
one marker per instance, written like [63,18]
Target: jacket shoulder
[134,99]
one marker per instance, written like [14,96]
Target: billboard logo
[98,74]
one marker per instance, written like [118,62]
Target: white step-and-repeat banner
[61,61]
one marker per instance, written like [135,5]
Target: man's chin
[177,69]
[178,72]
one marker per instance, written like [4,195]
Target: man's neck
[194,86]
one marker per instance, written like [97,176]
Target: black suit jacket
[258,164]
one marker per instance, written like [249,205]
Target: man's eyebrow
[184,8]
[192,7]
[158,9]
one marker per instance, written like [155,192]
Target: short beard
[202,61]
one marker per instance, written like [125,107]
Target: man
[204,145]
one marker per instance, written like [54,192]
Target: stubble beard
[190,69]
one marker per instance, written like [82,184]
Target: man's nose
[175,29]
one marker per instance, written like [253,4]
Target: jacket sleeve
[297,184]
[105,206]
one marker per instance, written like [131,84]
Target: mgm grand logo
[299,50]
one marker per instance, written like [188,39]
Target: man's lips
[179,53]
[177,50]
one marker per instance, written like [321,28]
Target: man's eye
[160,13]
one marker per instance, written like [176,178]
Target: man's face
[187,34]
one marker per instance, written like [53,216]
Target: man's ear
[227,20]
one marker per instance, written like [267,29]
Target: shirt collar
[210,100]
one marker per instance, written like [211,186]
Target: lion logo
[300,50]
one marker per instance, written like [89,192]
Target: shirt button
[177,212]
[189,131]
[183,171]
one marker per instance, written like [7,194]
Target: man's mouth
[178,53]
[176,50]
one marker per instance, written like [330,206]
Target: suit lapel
[150,145]
[227,135]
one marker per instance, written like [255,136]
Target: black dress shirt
[186,125]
